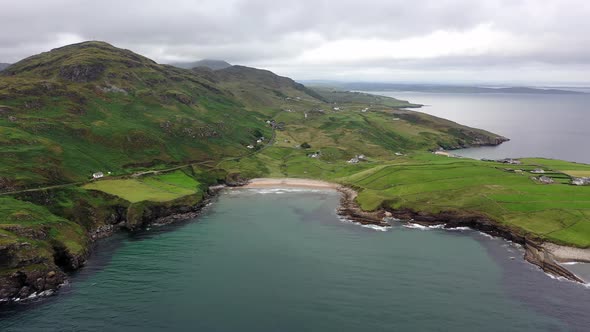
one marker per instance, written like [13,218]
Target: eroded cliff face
[28,269]
[535,253]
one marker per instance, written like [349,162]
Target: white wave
[373,227]
[569,263]
[377,228]
[486,235]
[458,229]
[564,279]
[422,227]
[32,296]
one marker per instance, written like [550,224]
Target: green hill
[162,135]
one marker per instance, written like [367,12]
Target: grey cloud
[275,34]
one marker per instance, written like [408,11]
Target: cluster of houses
[509,161]
[258,141]
[275,125]
[358,158]
[581,181]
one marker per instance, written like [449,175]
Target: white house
[97,175]
[250,146]
[354,160]
[538,171]
[399,154]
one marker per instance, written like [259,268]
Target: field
[159,188]
[558,212]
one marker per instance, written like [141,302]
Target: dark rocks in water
[82,73]
[23,284]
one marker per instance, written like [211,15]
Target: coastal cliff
[26,274]
[535,251]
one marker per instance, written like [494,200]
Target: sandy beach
[568,254]
[290,182]
[349,208]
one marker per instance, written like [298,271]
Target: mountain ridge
[212,64]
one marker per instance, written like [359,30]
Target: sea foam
[369,226]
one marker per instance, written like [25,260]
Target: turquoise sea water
[282,260]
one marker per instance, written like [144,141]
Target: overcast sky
[503,41]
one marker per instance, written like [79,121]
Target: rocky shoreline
[546,256]
[45,279]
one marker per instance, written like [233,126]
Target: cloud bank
[520,41]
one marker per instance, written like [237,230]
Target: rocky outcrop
[540,256]
[351,211]
[82,73]
[26,274]
[22,285]
[535,252]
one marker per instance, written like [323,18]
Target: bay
[282,260]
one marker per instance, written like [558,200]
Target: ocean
[539,125]
[283,260]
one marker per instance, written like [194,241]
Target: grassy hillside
[425,182]
[92,107]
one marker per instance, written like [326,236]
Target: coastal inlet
[268,259]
